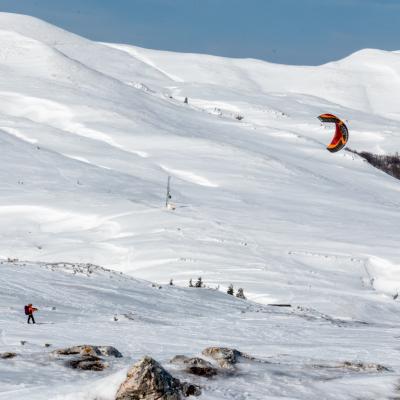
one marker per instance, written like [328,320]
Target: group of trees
[387,163]
[239,293]
[200,284]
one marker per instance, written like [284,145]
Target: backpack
[26,310]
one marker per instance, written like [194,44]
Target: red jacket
[31,309]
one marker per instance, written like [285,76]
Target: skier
[29,310]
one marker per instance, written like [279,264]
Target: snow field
[89,134]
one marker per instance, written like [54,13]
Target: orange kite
[341,134]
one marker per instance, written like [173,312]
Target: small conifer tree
[190,283]
[230,289]
[199,282]
[240,294]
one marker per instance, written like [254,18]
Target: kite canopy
[341,134]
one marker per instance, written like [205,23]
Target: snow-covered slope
[367,80]
[90,132]
[96,306]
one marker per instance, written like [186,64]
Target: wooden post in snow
[168,192]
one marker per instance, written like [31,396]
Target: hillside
[296,349]
[90,132]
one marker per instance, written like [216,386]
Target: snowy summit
[90,133]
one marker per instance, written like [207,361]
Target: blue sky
[306,32]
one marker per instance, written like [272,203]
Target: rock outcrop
[189,389]
[224,356]
[89,350]
[87,363]
[148,380]
[109,351]
[359,366]
[7,355]
[87,357]
[196,366]
[354,366]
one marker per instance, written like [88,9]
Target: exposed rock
[189,389]
[201,369]
[224,356]
[75,350]
[355,367]
[87,363]
[87,350]
[363,367]
[7,355]
[148,380]
[109,351]
[196,366]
